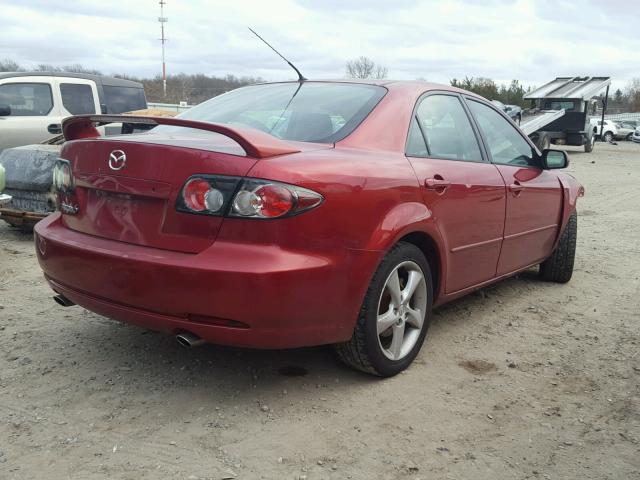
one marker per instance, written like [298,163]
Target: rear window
[559,105]
[124,99]
[306,112]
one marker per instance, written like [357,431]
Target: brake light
[267,201]
[199,195]
[246,198]
[62,176]
[64,185]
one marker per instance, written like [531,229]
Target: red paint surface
[294,281]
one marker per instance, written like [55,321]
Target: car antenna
[300,77]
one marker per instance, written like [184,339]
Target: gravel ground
[521,380]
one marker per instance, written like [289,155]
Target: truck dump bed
[534,121]
[582,88]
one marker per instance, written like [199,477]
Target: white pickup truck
[32,104]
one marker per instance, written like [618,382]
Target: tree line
[192,88]
[196,88]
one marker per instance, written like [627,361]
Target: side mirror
[5,110]
[552,159]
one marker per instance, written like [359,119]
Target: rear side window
[27,99]
[506,145]
[124,99]
[77,98]
[446,128]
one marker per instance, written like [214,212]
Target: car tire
[559,266]
[608,137]
[628,137]
[398,329]
[544,142]
[588,146]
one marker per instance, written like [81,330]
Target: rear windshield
[559,105]
[124,99]
[306,112]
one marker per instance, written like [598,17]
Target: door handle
[437,183]
[54,129]
[515,188]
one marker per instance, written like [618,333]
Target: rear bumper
[274,298]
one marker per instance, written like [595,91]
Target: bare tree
[363,67]
[8,65]
[633,95]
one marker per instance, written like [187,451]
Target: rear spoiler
[255,143]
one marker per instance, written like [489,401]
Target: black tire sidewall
[400,253]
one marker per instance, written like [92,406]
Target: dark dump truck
[574,96]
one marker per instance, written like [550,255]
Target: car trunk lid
[126,187]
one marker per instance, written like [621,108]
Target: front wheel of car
[608,137]
[394,317]
[559,266]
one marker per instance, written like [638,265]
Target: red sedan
[305,213]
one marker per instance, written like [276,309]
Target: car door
[534,195]
[465,193]
[34,103]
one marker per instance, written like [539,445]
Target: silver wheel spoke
[396,342]
[401,310]
[386,320]
[393,285]
[415,318]
[412,283]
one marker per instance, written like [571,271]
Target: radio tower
[162,19]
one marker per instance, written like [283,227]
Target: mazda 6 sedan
[305,213]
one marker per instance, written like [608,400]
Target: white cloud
[529,40]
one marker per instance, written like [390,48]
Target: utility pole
[162,19]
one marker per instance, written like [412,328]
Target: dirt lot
[521,380]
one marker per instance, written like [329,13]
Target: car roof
[411,87]
[101,79]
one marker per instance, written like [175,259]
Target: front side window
[27,99]
[506,145]
[446,128]
[306,112]
[77,98]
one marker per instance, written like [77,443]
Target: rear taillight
[199,195]
[62,176]
[245,198]
[64,185]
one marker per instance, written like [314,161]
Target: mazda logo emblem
[117,160]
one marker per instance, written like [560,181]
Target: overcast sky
[530,40]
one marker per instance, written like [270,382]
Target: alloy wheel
[401,310]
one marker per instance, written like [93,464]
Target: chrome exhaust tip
[189,340]
[63,301]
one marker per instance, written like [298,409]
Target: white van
[32,104]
